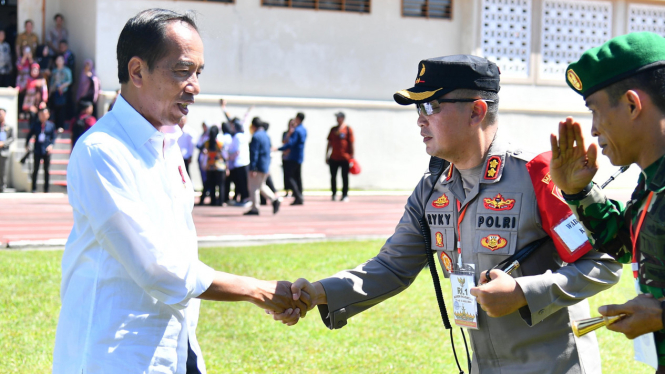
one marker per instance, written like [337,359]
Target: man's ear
[478,112]
[136,67]
[634,102]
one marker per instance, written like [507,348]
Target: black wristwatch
[580,195]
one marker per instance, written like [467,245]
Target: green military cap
[617,59]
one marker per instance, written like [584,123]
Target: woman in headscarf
[36,91]
[89,86]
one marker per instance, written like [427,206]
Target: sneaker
[275,206]
[251,213]
[345,199]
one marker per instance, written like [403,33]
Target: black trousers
[292,170]
[214,186]
[35,170]
[270,185]
[239,176]
[187,162]
[334,166]
[192,367]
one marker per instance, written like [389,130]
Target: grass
[402,335]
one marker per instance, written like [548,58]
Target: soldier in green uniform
[623,84]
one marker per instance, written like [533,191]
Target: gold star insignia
[491,172]
[493,164]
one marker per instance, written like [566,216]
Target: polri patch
[493,166]
[493,242]
[441,202]
[498,203]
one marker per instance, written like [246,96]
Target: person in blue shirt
[293,162]
[259,167]
[44,132]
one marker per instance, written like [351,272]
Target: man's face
[28,27]
[611,126]
[58,21]
[446,132]
[340,120]
[63,47]
[2,116]
[43,115]
[60,62]
[170,87]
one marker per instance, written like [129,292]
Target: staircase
[59,159]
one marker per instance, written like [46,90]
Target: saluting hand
[572,166]
[499,297]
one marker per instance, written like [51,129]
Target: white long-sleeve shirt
[239,148]
[130,270]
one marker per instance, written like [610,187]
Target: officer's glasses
[432,107]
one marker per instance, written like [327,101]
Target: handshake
[292,301]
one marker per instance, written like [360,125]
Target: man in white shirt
[131,277]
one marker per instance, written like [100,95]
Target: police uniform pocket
[495,242]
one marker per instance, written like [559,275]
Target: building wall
[289,60]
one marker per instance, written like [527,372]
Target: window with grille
[568,29]
[642,17]
[505,31]
[427,8]
[360,6]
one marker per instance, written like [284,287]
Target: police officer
[490,202]
[623,84]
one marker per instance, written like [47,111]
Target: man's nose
[193,86]
[422,120]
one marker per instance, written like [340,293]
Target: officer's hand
[572,166]
[499,297]
[643,315]
[300,289]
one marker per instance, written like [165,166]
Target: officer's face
[611,125]
[446,133]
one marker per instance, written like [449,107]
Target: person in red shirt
[338,154]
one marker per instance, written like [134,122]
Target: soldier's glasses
[432,107]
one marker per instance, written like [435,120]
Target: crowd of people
[243,160]
[44,72]
[49,97]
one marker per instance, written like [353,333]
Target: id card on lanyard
[644,345]
[465,307]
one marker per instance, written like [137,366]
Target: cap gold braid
[417,95]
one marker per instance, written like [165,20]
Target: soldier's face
[611,125]
[446,133]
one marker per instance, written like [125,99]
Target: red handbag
[354,166]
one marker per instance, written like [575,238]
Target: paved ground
[45,220]
[35,220]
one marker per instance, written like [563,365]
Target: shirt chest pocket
[496,223]
[441,222]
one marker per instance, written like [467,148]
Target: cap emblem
[574,80]
[422,71]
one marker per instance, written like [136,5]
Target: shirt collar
[135,125]
[655,175]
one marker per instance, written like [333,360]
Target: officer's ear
[478,112]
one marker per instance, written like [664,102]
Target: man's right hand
[300,289]
[572,166]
